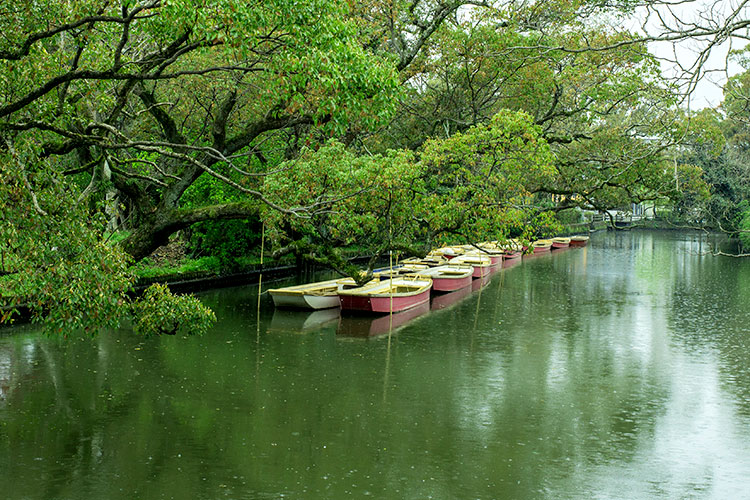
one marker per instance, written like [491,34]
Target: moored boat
[496,259]
[448,252]
[448,278]
[512,254]
[541,246]
[399,270]
[431,260]
[320,295]
[491,250]
[579,241]
[391,295]
[482,264]
[560,243]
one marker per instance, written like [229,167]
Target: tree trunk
[156,228]
[146,238]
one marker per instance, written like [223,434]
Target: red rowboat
[482,264]
[448,278]
[390,295]
[487,248]
[560,243]
[430,260]
[541,246]
[448,252]
[511,249]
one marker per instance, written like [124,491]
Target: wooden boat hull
[487,249]
[512,255]
[387,296]
[542,246]
[320,295]
[482,264]
[451,284]
[558,243]
[448,278]
[373,304]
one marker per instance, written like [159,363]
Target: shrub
[744,228]
[226,240]
[159,311]
[570,216]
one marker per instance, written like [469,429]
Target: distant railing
[617,217]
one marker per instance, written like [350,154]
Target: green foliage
[64,271]
[195,112]
[128,105]
[471,187]
[545,225]
[147,269]
[478,183]
[570,216]
[340,199]
[225,240]
[744,225]
[717,147]
[158,311]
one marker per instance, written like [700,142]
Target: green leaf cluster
[159,312]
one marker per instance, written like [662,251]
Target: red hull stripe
[481,271]
[450,284]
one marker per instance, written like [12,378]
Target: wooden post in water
[260,278]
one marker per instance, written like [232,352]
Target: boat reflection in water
[508,263]
[445,300]
[302,321]
[357,325]
[480,283]
[539,255]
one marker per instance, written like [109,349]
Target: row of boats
[410,283]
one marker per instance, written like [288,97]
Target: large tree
[124,106]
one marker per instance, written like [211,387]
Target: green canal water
[618,371]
